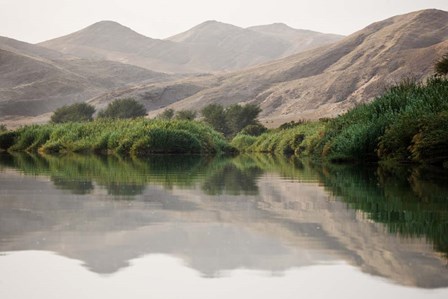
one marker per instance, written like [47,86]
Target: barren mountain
[300,40]
[109,40]
[326,81]
[35,80]
[209,47]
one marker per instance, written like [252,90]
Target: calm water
[244,227]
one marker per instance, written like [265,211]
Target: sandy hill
[326,81]
[35,80]
[209,47]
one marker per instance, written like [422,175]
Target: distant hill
[300,40]
[327,81]
[209,47]
[35,80]
[109,40]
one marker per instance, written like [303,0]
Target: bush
[185,115]
[167,114]
[166,141]
[254,130]
[441,66]
[7,139]
[242,142]
[79,112]
[3,128]
[123,108]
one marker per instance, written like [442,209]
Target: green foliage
[441,66]
[167,114]
[232,119]
[296,140]
[242,142]
[215,116]
[3,128]
[7,139]
[123,108]
[79,112]
[385,128]
[136,137]
[239,117]
[254,130]
[291,124]
[185,115]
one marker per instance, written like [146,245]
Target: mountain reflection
[256,212]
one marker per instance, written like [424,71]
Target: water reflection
[248,212]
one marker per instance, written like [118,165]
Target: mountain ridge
[211,46]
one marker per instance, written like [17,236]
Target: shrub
[123,108]
[7,139]
[185,115]
[243,142]
[441,66]
[79,112]
[167,114]
[254,130]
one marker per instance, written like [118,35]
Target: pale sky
[38,20]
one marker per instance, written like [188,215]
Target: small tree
[167,114]
[80,112]
[185,114]
[215,116]
[123,108]
[232,119]
[441,66]
[239,117]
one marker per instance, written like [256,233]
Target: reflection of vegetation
[404,201]
[410,202]
[233,180]
[76,186]
[129,176]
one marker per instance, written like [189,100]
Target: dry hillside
[327,81]
[35,80]
[209,47]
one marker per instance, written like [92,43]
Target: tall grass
[298,140]
[409,123]
[386,128]
[137,137]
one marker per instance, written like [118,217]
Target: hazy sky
[39,20]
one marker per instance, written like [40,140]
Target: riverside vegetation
[137,137]
[407,124]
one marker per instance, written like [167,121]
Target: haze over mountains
[209,47]
[326,74]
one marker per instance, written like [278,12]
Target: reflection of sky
[161,276]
